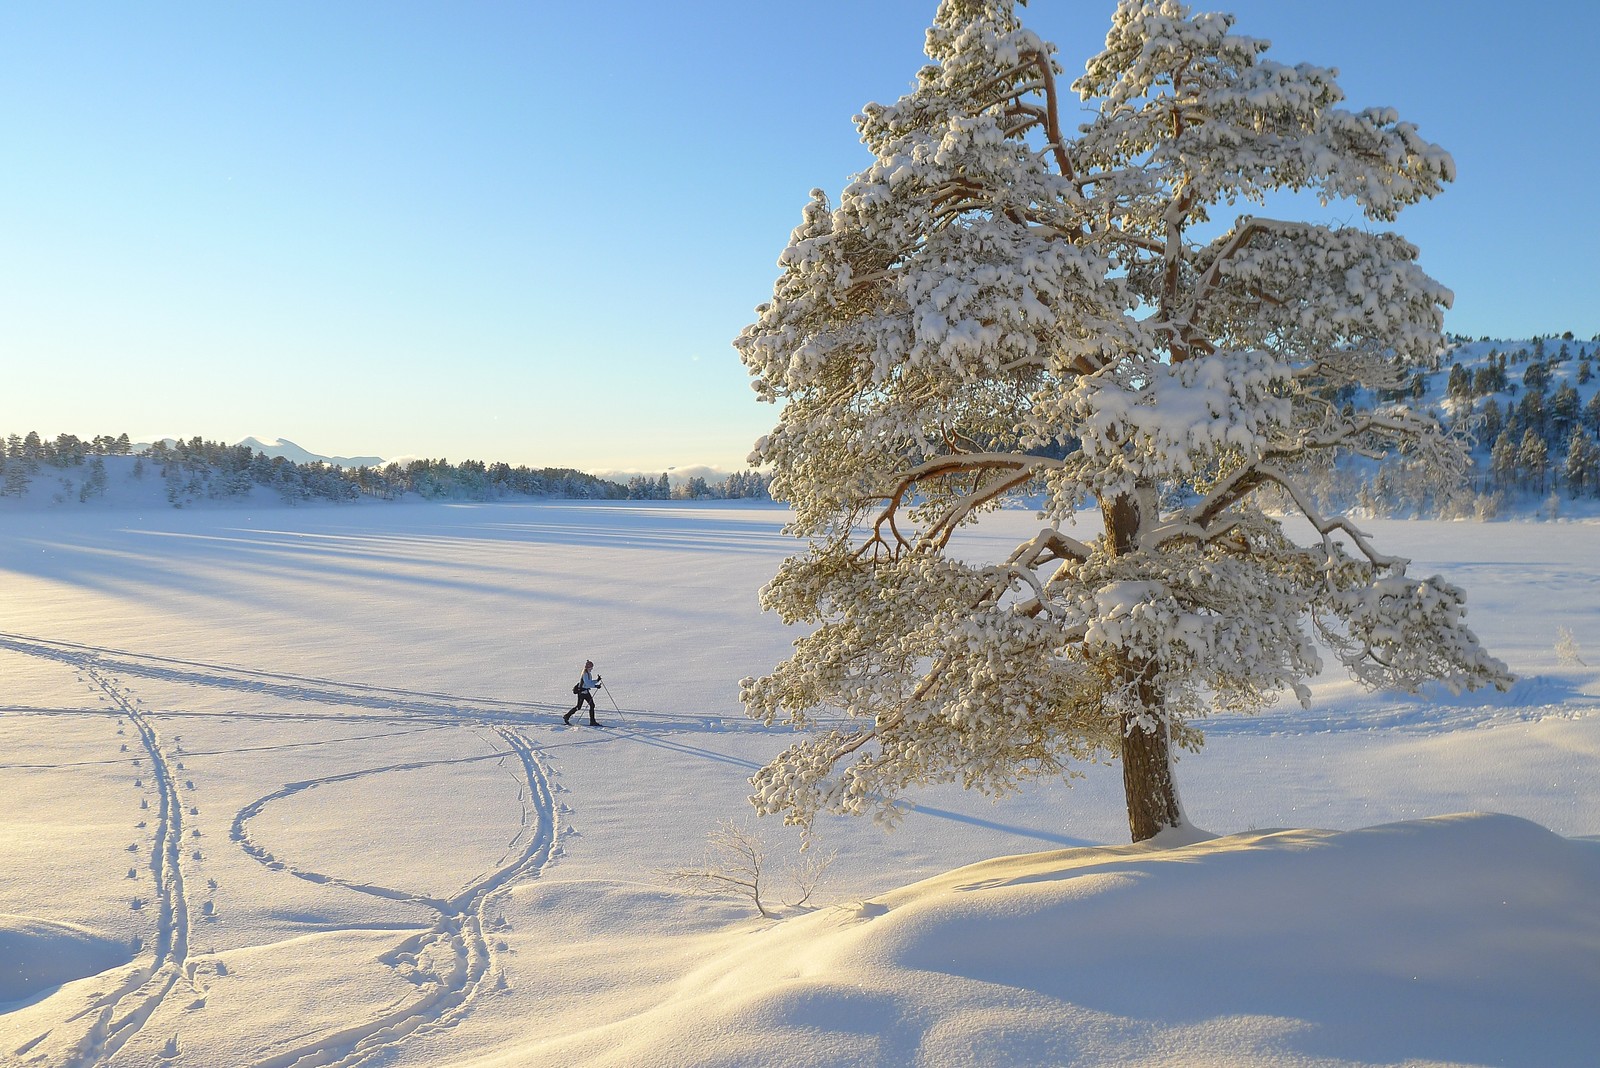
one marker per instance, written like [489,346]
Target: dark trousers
[584,698]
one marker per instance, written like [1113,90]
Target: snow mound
[36,955]
[1468,938]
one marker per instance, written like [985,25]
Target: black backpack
[577,687]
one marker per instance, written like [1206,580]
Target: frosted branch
[1327,525]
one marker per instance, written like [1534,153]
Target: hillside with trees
[1533,411]
[67,469]
[1527,413]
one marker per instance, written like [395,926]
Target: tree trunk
[1147,783]
[1147,779]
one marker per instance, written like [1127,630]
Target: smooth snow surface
[290,787]
[1193,955]
[37,954]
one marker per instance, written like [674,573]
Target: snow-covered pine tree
[16,479]
[1582,467]
[995,310]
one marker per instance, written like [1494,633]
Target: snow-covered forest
[66,468]
[1529,410]
[1534,411]
[1531,406]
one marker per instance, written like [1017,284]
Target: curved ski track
[453,962]
[458,936]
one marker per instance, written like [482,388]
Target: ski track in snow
[393,702]
[452,960]
[382,703]
[122,1011]
[453,963]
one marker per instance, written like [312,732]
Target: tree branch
[1057,143]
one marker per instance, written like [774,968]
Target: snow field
[415,863]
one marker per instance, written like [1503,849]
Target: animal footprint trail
[451,964]
[120,1013]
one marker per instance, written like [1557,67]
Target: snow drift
[36,955]
[1275,947]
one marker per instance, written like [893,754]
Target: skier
[585,685]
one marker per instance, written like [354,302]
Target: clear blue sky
[529,231]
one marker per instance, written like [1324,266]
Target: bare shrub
[736,865]
[1567,651]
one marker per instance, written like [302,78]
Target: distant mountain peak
[290,451]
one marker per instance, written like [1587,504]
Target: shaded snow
[36,955]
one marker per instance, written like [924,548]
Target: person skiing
[585,696]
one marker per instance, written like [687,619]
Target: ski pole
[613,701]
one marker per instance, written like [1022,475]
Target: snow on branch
[1321,288]
[998,308]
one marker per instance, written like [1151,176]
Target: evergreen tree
[1532,413]
[993,309]
[16,479]
[1536,378]
[1564,411]
[1533,458]
[68,451]
[94,483]
[1492,421]
[1503,459]
[1582,467]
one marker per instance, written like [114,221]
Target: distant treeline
[197,469]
